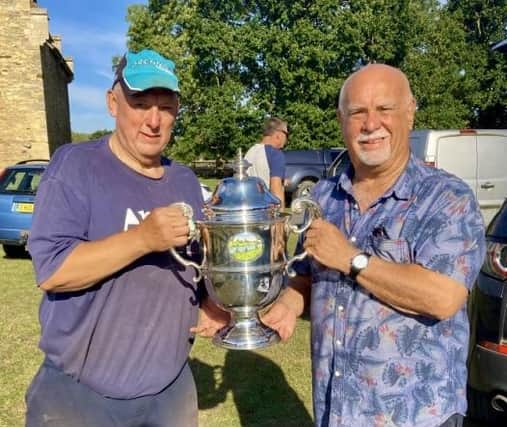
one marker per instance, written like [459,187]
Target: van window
[418,144]
[458,155]
[492,151]
[491,176]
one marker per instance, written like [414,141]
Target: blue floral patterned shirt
[374,366]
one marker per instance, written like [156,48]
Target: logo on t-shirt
[134,218]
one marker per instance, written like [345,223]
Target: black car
[487,382]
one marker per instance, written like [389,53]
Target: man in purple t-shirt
[267,159]
[118,312]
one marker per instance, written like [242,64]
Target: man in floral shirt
[389,270]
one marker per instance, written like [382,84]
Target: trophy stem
[245,332]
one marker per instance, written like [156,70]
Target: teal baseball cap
[145,70]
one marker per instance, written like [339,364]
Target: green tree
[99,133]
[80,137]
[240,61]
[423,40]
[485,23]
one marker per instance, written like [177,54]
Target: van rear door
[492,172]
[457,154]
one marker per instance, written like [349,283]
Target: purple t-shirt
[127,336]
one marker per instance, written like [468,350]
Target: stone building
[34,78]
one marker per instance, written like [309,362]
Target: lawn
[263,388]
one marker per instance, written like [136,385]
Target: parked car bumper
[9,236]
[487,370]
[487,367]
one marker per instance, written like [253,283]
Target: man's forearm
[276,187]
[90,262]
[297,295]
[413,289]
[409,287]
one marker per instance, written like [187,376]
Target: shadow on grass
[16,252]
[262,396]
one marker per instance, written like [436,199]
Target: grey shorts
[55,399]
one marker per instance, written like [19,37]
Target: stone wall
[55,79]
[34,106]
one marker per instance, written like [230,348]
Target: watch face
[360,261]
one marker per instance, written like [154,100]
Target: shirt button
[341,308]
[338,342]
[337,373]
[353,239]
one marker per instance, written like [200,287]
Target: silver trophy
[244,239]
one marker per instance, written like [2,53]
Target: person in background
[267,159]
[390,267]
[117,309]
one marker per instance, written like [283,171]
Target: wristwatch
[358,263]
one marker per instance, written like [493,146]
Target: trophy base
[245,335]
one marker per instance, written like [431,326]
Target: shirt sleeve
[276,162]
[59,224]
[452,239]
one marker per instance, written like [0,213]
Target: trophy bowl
[244,239]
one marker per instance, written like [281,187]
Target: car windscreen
[20,181]
[335,153]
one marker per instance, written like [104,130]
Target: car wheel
[304,188]
[480,409]
[13,251]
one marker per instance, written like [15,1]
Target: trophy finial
[241,165]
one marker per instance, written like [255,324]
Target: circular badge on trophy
[245,246]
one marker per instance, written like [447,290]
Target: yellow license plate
[23,207]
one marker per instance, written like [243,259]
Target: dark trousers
[54,399]
[455,420]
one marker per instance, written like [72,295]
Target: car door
[491,173]
[457,154]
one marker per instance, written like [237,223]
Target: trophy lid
[243,194]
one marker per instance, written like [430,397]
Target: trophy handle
[311,211]
[194,234]
[309,208]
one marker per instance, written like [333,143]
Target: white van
[478,156]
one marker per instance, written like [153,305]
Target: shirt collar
[403,188]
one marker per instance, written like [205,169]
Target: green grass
[211,182]
[262,388]
[19,330]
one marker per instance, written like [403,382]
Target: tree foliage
[80,137]
[485,23]
[240,61]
